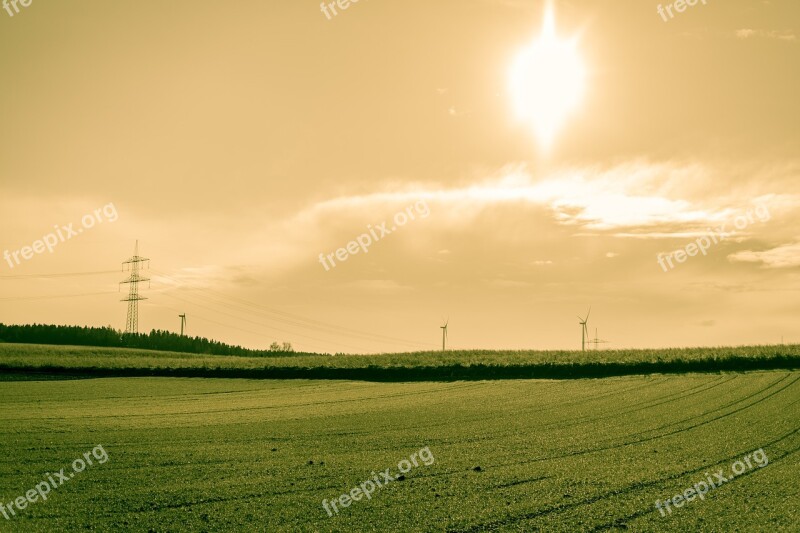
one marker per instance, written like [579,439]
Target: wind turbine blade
[589,313]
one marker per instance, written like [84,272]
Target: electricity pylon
[597,340]
[132,324]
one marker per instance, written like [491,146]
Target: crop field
[514,455]
[474,364]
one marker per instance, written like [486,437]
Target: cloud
[375,286]
[781,35]
[453,112]
[509,284]
[784,256]
[638,199]
[627,195]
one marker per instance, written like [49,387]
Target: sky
[529,160]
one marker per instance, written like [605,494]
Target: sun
[547,81]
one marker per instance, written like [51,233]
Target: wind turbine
[444,333]
[597,340]
[584,330]
[183,322]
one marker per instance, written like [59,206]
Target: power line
[64,275]
[233,303]
[254,322]
[20,298]
[324,349]
[295,320]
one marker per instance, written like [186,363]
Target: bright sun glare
[547,81]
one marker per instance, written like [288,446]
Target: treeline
[110,337]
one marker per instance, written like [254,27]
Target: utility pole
[132,323]
[183,322]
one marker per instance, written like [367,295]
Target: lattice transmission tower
[132,324]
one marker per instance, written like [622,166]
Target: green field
[450,365]
[567,455]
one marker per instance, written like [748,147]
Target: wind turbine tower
[584,329]
[444,334]
[183,322]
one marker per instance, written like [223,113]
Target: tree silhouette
[110,337]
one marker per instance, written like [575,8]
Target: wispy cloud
[784,256]
[376,285]
[637,199]
[781,35]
